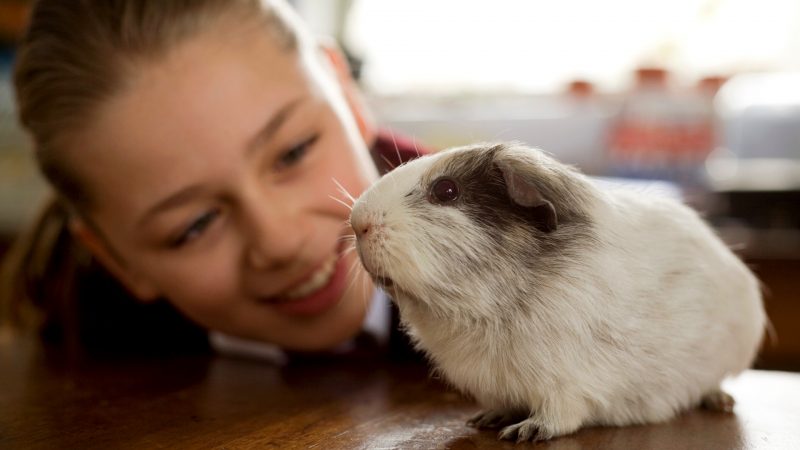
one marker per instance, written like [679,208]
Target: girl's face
[212,175]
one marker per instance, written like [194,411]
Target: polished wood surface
[781,286]
[206,401]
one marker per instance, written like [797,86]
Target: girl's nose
[256,259]
[275,237]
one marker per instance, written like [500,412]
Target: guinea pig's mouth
[385,282]
[381,280]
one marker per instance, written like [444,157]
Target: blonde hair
[76,55]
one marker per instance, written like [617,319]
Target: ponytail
[38,288]
[51,285]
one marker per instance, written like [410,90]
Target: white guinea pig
[555,304]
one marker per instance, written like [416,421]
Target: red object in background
[663,133]
[652,77]
[580,89]
[711,84]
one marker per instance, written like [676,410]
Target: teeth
[316,282]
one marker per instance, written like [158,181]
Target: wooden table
[206,401]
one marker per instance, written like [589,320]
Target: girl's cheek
[204,281]
[212,297]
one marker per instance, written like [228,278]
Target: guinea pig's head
[473,228]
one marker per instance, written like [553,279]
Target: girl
[194,148]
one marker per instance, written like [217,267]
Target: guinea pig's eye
[444,190]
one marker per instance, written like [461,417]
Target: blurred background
[699,97]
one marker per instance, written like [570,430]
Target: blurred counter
[206,401]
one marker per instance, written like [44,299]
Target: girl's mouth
[320,292]
[386,282]
[314,283]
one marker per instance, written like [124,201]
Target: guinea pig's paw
[718,400]
[526,430]
[546,423]
[495,418]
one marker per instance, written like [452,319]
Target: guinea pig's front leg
[555,417]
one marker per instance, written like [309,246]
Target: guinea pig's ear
[524,192]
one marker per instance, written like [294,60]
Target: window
[450,46]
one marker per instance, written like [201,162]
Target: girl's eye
[196,228]
[296,153]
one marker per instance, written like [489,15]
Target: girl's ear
[352,94]
[97,246]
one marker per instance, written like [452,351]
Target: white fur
[644,324]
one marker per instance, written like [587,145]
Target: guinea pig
[554,303]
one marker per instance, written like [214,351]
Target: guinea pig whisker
[344,191]
[349,249]
[347,239]
[351,236]
[390,164]
[396,148]
[341,202]
[353,266]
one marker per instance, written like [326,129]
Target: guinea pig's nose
[361,225]
[361,229]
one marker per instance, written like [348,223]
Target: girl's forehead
[208,78]
[251,49]
[205,100]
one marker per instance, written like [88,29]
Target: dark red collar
[392,149]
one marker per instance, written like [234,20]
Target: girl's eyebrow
[173,200]
[271,127]
[264,134]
